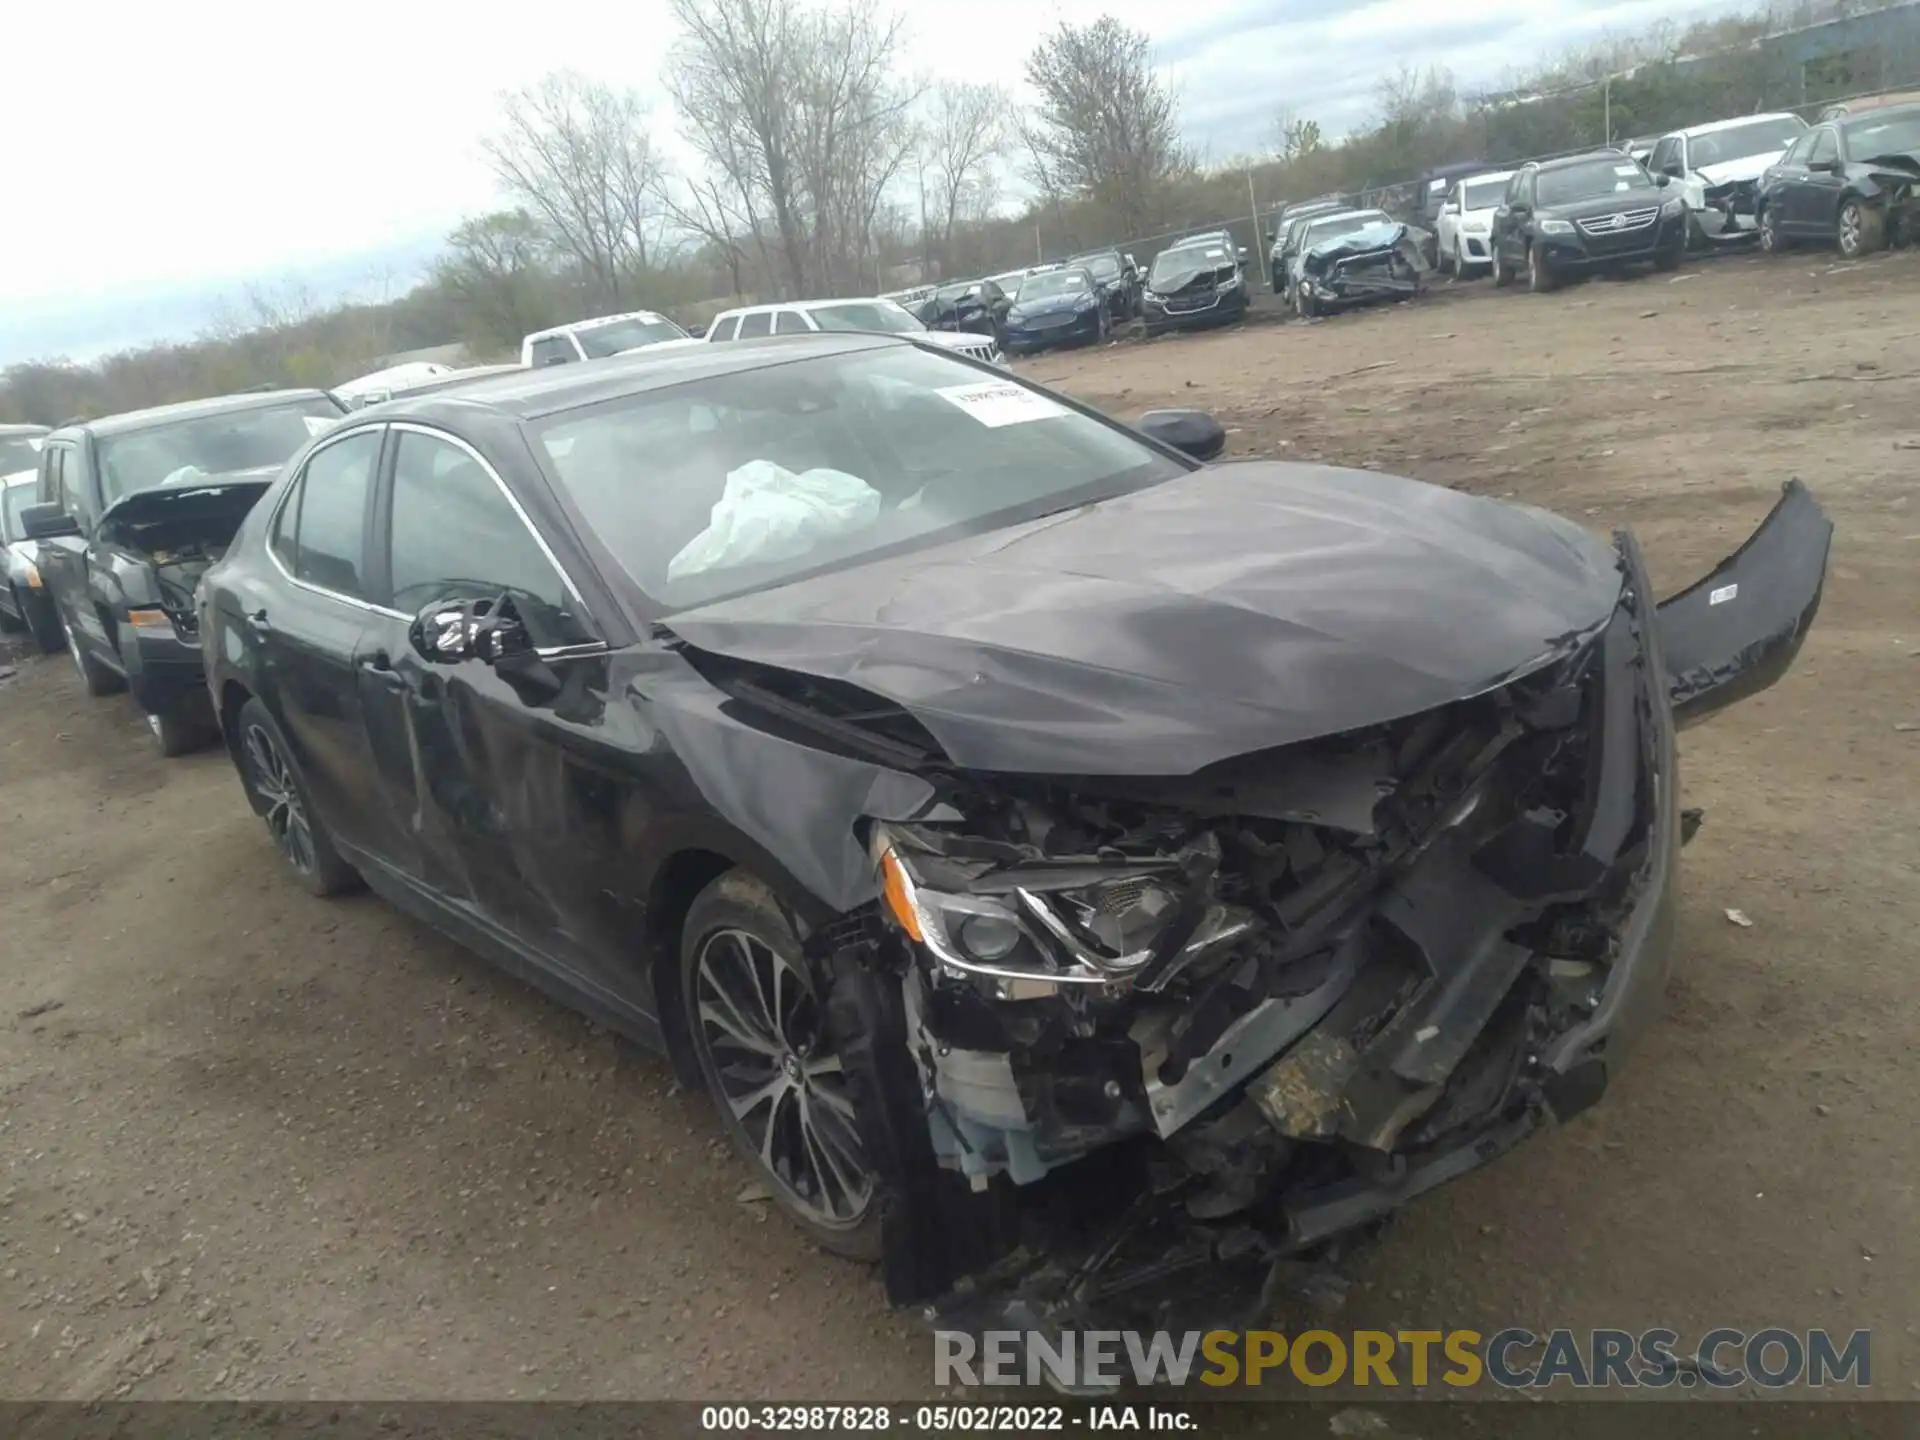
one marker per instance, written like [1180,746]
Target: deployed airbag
[767,512]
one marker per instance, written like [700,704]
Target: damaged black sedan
[1082,877]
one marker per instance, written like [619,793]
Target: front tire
[1502,276]
[1540,276]
[1772,242]
[756,1015]
[1863,229]
[183,729]
[279,795]
[98,678]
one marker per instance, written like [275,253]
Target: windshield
[865,315]
[1337,225]
[746,481]
[1483,194]
[1054,282]
[13,499]
[951,294]
[600,341]
[1590,180]
[1893,135]
[1185,260]
[19,452]
[188,451]
[1737,142]
[1101,267]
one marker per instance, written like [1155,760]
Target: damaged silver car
[1087,879]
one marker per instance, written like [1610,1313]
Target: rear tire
[1502,276]
[755,1017]
[279,795]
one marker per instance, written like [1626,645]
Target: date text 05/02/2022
[968,1419]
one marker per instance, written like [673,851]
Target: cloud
[214,139]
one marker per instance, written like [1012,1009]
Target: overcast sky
[196,147]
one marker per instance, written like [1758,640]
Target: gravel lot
[255,1144]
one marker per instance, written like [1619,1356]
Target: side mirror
[449,631]
[1449,208]
[1673,168]
[1824,167]
[1663,179]
[44,522]
[1271,237]
[1242,250]
[547,360]
[1192,432]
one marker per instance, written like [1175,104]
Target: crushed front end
[1130,1043]
[1380,262]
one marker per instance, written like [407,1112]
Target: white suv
[598,338]
[1463,232]
[1717,169]
[802,317]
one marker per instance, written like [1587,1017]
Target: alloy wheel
[273,785]
[1850,228]
[780,1077]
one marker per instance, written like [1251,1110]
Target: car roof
[1313,220]
[19,477]
[804,305]
[552,389]
[14,431]
[594,322]
[1585,157]
[1878,115]
[1734,124]
[129,420]
[1485,175]
[1103,253]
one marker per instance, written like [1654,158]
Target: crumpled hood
[1747,167]
[185,500]
[1240,607]
[1050,305]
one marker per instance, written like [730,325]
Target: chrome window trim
[432,433]
[299,483]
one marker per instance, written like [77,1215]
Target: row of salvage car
[1085,877]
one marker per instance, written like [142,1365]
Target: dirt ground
[255,1144]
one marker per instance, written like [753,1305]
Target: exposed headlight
[1153,297]
[1475,227]
[1231,282]
[1673,207]
[1079,924]
[1556,227]
[33,576]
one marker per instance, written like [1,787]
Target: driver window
[1797,152]
[753,326]
[453,533]
[788,322]
[1825,147]
[725,329]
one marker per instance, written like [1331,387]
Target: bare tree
[800,125]
[1297,138]
[1105,127]
[965,133]
[495,271]
[577,155]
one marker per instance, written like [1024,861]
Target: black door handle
[257,622]
[379,667]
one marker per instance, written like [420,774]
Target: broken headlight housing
[1032,928]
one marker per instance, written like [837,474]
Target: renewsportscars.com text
[1513,1358]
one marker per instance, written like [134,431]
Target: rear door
[1788,182]
[307,630]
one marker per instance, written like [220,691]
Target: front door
[480,771]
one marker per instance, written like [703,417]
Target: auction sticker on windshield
[996,403]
